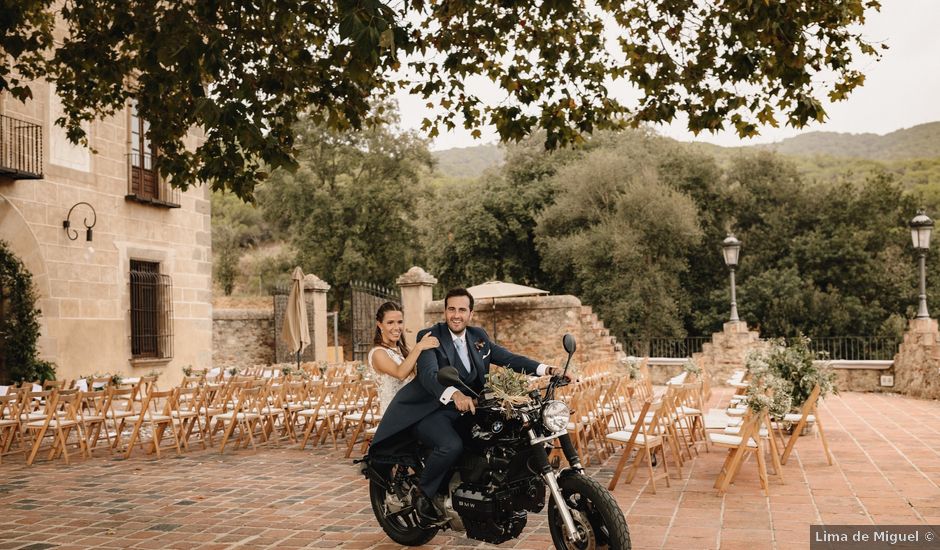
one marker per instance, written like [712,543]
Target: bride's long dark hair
[379,317]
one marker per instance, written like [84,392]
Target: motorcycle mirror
[569,343]
[448,376]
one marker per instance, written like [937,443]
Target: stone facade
[533,326]
[84,287]
[917,364]
[242,337]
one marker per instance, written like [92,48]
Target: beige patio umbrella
[296,330]
[498,289]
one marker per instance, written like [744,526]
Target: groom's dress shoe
[426,511]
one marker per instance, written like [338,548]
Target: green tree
[617,236]
[236,226]
[485,230]
[245,71]
[19,323]
[829,259]
[348,210]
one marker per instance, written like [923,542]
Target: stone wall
[917,364]
[534,326]
[242,337]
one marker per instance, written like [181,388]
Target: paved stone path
[887,471]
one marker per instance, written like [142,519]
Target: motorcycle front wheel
[597,517]
[401,528]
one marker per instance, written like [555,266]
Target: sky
[901,90]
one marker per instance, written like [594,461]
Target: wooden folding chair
[808,415]
[60,418]
[363,419]
[186,414]
[10,427]
[747,441]
[318,400]
[92,415]
[647,438]
[121,405]
[155,413]
[244,416]
[691,411]
[272,411]
[294,401]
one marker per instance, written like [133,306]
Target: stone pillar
[315,295]
[417,287]
[917,364]
[728,350]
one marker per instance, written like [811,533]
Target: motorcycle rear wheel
[401,529]
[597,516]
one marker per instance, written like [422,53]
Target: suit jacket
[421,396]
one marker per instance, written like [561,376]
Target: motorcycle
[503,475]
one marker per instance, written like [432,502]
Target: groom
[426,409]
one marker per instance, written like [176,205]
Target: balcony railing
[664,347]
[856,348]
[20,149]
[839,348]
[145,185]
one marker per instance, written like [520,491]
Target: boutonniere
[479,344]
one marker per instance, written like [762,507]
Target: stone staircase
[595,339]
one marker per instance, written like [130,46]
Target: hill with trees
[918,142]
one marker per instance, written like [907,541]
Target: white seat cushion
[730,440]
[736,412]
[796,417]
[624,437]
[736,430]
[53,423]
[149,418]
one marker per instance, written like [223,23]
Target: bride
[391,360]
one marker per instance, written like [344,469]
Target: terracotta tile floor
[887,470]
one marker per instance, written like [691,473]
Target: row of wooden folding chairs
[674,422]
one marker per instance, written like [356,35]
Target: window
[144,177]
[143,180]
[151,311]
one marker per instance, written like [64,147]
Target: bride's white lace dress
[386,385]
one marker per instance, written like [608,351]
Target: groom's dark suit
[417,407]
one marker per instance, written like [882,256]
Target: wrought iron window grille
[151,311]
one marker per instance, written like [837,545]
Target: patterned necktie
[462,353]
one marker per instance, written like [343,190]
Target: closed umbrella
[498,289]
[296,330]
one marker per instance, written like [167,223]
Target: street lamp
[921,227]
[730,248]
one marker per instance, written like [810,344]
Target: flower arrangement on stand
[692,370]
[791,369]
[631,366]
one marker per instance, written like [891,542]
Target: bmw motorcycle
[503,475]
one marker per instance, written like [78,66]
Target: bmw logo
[497,427]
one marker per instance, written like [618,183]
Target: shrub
[19,325]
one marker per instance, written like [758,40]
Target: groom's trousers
[437,432]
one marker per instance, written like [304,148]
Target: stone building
[131,295]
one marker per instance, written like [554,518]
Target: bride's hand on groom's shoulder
[427,342]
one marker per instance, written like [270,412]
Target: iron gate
[366,299]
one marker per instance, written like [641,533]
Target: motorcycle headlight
[555,416]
